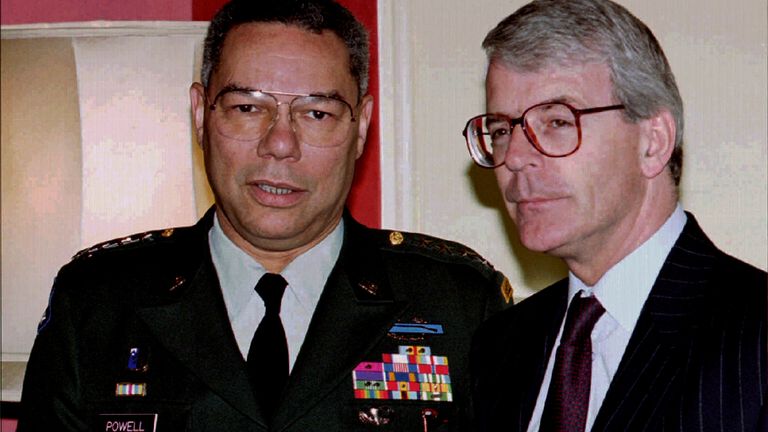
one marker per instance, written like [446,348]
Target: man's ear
[363,122]
[197,99]
[658,142]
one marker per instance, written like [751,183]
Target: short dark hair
[312,15]
[557,32]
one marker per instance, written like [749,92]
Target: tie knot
[270,288]
[582,316]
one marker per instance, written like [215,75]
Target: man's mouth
[273,189]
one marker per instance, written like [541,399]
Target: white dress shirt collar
[624,288]
[306,275]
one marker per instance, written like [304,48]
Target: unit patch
[412,373]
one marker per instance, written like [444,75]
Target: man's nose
[281,141]
[520,153]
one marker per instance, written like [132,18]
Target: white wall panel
[136,140]
[398,194]
[41,179]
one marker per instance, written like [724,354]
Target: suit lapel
[206,346]
[537,351]
[356,310]
[663,337]
[510,356]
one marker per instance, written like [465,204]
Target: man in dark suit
[655,328]
[348,328]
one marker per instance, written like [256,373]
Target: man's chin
[541,240]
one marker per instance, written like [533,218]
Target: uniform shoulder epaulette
[440,249]
[123,243]
[447,251]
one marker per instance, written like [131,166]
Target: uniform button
[395,238]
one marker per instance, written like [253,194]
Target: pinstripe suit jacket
[696,360]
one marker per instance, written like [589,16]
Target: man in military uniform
[277,311]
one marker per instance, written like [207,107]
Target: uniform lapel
[663,337]
[194,327]
[356,309]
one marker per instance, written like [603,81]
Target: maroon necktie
[268,355]
[568,397]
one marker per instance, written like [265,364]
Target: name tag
[127,422]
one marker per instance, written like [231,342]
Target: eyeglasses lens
[551,128]
[317,120]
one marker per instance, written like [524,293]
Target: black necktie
[568,397]
[268,355]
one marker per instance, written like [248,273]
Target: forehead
[275,56]
[582,85]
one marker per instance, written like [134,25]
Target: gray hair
[312,15]
[557,32]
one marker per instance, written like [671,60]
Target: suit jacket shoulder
[696,358]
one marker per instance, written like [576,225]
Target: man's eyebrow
[236,87]
[552,100]
[330,94]
[495,118]
[559,99]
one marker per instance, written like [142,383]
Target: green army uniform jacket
[137,337]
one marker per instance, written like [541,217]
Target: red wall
[365,199]
[51,11]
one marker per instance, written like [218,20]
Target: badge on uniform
[137,365]
[137,360]
[416,328]
[130,389]
[412,373]
[414,332]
